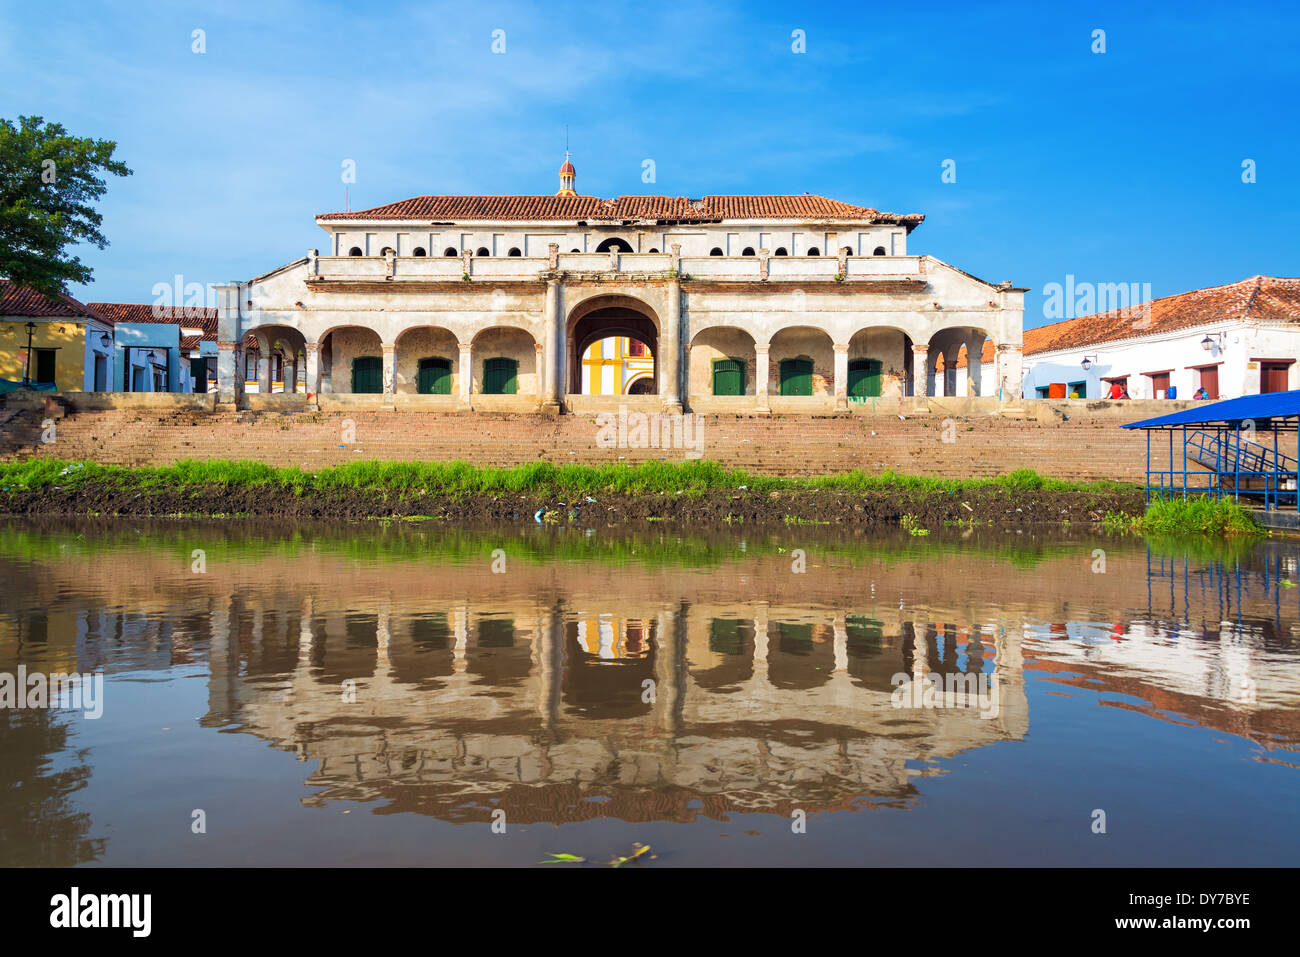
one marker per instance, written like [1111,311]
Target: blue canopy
[1267,406]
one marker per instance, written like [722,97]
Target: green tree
[49,180]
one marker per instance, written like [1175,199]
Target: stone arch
[951,377]
[415,344]
[891,347]
[340,348]
[614,243]
[715,344]
[806,343]
[281,358]
[508,342]
[601,317]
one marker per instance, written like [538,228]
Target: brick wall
[1084,446]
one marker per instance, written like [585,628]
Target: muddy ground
[986,506]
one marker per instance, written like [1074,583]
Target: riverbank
[593,496]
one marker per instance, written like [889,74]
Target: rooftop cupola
[567,175]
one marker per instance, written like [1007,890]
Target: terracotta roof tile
[679,208]
[1263,298]
[199,317]
[18,300]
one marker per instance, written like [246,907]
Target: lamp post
[27,369]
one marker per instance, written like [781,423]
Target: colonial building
[71,344]
[1229,341]
[760,303]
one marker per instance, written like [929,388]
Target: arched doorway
[351,361]
[426,361]
[879,361]
[504,362]
[275,360]
[722,362]
[946,374]
[802,363]
[613,346]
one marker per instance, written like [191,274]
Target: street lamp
[1207,343]
[27,369]
[1087,362]
[104,340]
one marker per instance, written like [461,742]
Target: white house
[1233,340]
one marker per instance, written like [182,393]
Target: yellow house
[618,365]
[71,344]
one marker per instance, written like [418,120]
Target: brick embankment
[1081,447]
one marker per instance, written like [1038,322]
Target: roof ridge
[1250,303]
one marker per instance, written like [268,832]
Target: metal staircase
[1242,466]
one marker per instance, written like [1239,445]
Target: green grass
[1199,515]
[460,479]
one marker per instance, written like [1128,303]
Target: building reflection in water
[537,698]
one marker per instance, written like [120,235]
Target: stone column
[466,373]
[670,348]
[226,365]
[950,370]
[313,369]
[390,371]
[841,377]
[229,376]
[974,365]
[760,377]
[263,366]
[1009,371]
[552,352]
[920,371]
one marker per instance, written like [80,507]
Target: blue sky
[1123,166]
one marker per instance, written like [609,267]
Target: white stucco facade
[780,315]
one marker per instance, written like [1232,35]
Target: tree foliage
[49,182]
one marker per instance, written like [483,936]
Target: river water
[416,695]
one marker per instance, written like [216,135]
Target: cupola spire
[567,175]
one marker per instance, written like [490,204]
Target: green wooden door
[500,376]
[728,377]
[864,378]
[434,377]
[796,376]
[368,374]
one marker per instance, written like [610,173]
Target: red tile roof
[18,300]
[196,317]
[669,208]
[1261,298]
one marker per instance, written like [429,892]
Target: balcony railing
[721,268]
